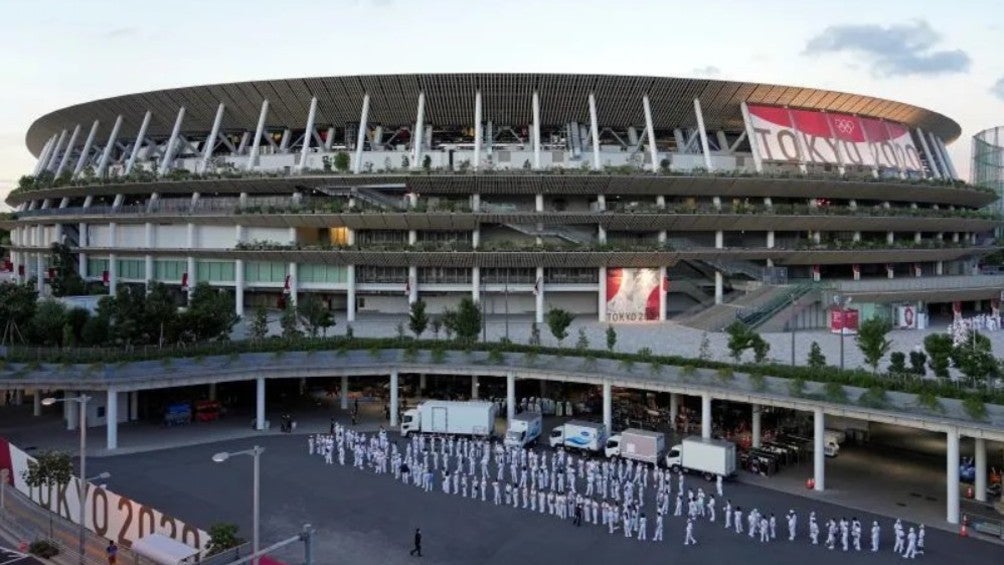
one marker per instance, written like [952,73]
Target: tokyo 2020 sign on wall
[633,295]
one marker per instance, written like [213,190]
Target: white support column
[308,135]
[393,398]
[510,396]
[652,149]
[932,163]
[69,149]
[945,158]
[952,480]
[477,131]
[819,450]
[418,137]
[43,156]
[293,284]
[40,273]
[71,413]
[422,382]
[343,396]
[134,406]
[594,128]
[674,409]
[85,151]
[474,387]
[239,287]
[706,415]
[256,142]
[608,408]
[112,420]
[535,130]
[259,421]
[106,155]
[757,410]
[662,294]
[602,296]
[36,403]
[168,157]
[980,485]
[53,158]
[350,294]
[214,132]
[538,302]
[361,135]
[751,135]
[138,144]
[413,284]
[705,148]
[476,284]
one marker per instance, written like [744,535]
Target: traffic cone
[969,492]
[964,529]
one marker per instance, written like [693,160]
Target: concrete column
[594,130]
[952,483]
[602,296]
[757,409]
[674,408]
[134,406]
[510,396]
[212,391]
[293,284]
[422,382]
[36,404]
[239,287]
[478,135]
[413,284]
[719,287]
[344,395]
[71,412]
[259,421]
[535,130]
[607,408]
[662,294]
[819,450]
[939,268]
[350,293]
[112,420]
[113,275]
[476,284]
[706,415]
[474,387]
[538,301]
[981,469]
[393,398]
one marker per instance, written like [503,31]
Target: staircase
[718,316]
[731,267]
[71,235]
[565,233]
[367,194]
[787,296]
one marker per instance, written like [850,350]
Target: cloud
[119,32]
[895,50]
[998,88]
[707,71]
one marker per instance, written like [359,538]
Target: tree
[314,315]
[48,321]
[974,358]
[918,363]
[437,326]
[740,339]
[939,349]
[95,331]
[342,161]
[534,334]
[161,314]
[816,358]
[897,362]
[222,536]
[125,313]
[17,307]
[704,350]
[582,343]
[418,320]
[449,320]
[468,321]
[611,338]
[872,341]
[427,162]
[66,281]
[558,321]
[210,314]
[259,324]
[49,469]
[760,348]
[289,323]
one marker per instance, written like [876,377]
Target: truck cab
[613,446]
[673,459]
[411,421]
[557,437]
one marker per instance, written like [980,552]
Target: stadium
[623,198]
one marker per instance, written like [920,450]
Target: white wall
[131,235]
[98,235]
[173,236]
[277,235]
[215,237]
[99,400]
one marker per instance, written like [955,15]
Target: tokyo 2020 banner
[824,138]
[107,514]
[633,295]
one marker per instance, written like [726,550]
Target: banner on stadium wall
[824,138]
[844,320]
[632,295]
[107,514]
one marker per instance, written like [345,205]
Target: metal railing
[944,282]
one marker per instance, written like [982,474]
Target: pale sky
[942,55]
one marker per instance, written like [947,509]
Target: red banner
[844,320]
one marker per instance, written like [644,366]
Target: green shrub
[834,392]
[874,397]
[688,371]
[725,374]
[929,400]
[975,407]
[758,381]
[43,548]
[796,387]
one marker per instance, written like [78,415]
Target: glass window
[169,270]
[264,271]
[215,271]
[309,273]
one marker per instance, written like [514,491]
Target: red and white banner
[906,317]
[184,281]
[844,320]
[286,286]
[536,286]
[107,514]
[104,278]
[632,295]
[821,138]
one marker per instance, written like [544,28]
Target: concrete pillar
[476,284]
[952,483]
[607,408]
[412,284]
[239,287]
[259,421]
[134,406]
[757,409]
[719,287]
[819,450]
[662,294]
[36,403]
[602,296]
[112,420]
[393,398]
[510,396]
[350,293]
[422,382]
[474,387]
[674,409]
[344,395]
[538,303]
[71,412]
[981,469]
[212,391]
[706,415]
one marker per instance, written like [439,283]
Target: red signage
[844,320]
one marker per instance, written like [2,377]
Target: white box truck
[576,434]
[472,418]
[708,457]
[524,429]
[640,445]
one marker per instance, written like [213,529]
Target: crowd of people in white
[611,493]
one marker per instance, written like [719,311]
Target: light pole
[842,302]
[255,453]
[82,400]
[791,322]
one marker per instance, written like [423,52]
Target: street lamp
[82,400]
[842,302]
[255,453]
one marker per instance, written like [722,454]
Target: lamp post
[255,453]
[82,400]
[842,302]
[791,322]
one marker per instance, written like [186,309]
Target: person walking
[417,550]
[112,552]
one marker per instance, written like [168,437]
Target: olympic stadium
[621,197]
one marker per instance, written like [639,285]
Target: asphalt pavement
[361,517]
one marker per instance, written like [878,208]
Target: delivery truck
[640,445]
[710,458]
[583,436]
[472,418]
[524,429]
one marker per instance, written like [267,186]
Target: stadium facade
[620,197]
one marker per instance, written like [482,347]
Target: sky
[938,54]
